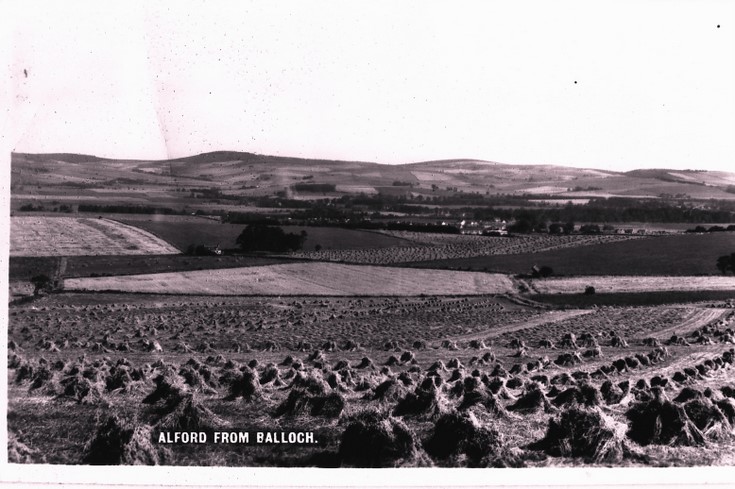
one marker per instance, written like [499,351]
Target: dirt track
[548,318]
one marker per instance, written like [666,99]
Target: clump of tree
[201,250]
[542,272]
[590,229]
[726,263]
[561,228]
[711,229]
[314,187]
[260,237]
[41,283]
[32,208]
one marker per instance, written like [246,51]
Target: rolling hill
[249,174]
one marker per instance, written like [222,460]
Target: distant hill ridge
[256,174]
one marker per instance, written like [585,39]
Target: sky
[614,85]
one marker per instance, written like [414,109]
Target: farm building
[484,228]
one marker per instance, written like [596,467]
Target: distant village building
[484,228]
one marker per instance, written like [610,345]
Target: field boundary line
[145,231]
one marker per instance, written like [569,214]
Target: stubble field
[616,284]
[71,236]
[430,247]
[437,381]
[321,279]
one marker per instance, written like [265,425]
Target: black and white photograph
[334,235]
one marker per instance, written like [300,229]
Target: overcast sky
[616,85]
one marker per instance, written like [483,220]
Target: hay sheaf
[584,432]
[662,422]
[169,390]
[584,394]
[461,437]
[708,417]
[425,401]
[121,441]
[81,389]
[303,401]
[312,381]
[390,390]
[484,398]
[190,415]
[533,400]
[374,440]
[245,385]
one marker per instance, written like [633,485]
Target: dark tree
[590,229]
[726,263]
[546,271]
[259,237]
[556,228]
[521,226]
[589,290]
[40,283]
[569,228]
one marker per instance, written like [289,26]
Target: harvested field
[327,279]
[436,246]
[89,369]
[70,236]
[251,320]
[727,298]
[615,284]
[633,323]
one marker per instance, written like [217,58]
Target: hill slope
[251,174]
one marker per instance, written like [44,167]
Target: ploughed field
[488,380]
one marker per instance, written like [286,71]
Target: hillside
[248,174]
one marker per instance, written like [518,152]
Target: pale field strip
[608,284]
[438,246]
[323,279]
[72,236]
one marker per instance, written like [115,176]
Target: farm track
[548,318]
[699,318]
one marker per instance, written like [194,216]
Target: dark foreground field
[381,381]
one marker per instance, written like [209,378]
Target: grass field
[687,254]
[182,231]
[325,279]
[23,268]
[617,284]
[70,236]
